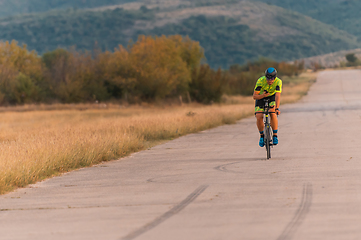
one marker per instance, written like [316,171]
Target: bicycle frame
[268,129]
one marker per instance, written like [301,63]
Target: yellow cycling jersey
[262,86]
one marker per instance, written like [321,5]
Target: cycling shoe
[275,140]
[261,142]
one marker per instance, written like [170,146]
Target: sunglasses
[270,79]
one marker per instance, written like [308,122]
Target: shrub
[207,84]
[20,74]
[163,65]
[352,60]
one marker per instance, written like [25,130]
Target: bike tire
[268,141]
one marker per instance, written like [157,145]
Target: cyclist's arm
[257,96]
[278,99]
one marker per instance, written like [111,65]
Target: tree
[161,70]
[351,58]
[72,76]
[117,73]
[20,74]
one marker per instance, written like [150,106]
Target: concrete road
[216,184]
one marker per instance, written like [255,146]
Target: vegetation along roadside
[43,133]
[151,69]
[36,145]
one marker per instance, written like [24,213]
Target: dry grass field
[295,88]
[37,142]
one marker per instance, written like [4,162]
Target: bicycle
[268,133]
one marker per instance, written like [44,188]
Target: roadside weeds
[36,145]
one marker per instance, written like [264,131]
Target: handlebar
[266,101]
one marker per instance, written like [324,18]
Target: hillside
[67,28]
[230,31]
[235,33]
[343,14]
[14,7]
[331,59]
[304,6]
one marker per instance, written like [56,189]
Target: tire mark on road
[223,168]
[300,215]
[156,179]
[167,215]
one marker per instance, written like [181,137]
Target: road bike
[268,133]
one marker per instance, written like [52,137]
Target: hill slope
[235,33]
[331,59]
[343,14]
[63,29]
[14,7]
[230,31]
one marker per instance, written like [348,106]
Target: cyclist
[268,87]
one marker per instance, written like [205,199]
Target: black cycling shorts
[259,106]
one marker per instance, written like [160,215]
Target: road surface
[216,184]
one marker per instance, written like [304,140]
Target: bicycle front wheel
[268,141]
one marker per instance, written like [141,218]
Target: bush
[161,70]
[207,84]
[153,68]
[72,77]
[352,60]
[20,74]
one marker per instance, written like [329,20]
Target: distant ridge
[230,31]
[331,59]
[16,7]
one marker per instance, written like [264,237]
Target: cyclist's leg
[258,111]
[274,121]
[259,116]
[274,125]
[260,124]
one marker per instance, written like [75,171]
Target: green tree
[351,58]
[207,84]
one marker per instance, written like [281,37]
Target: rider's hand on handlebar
[278,112]
[265,95]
